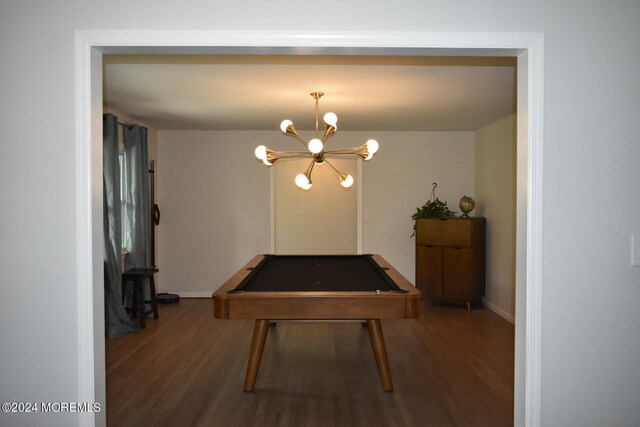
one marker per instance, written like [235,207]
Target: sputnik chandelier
[316,150]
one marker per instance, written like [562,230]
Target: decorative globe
[466,205]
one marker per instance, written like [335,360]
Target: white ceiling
[256,92]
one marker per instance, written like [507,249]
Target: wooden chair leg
[134,300]
[140,297]
[154,302]
[123,289]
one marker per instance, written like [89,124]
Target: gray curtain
[116,319]
[138,199]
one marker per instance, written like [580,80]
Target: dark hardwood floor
[450,367]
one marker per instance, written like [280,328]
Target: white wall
[202,215]
[212,223]
[322,220]
[399,180]
[495,186]
[590,352]
[214,202]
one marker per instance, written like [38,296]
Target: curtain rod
[130,124]
[123,124]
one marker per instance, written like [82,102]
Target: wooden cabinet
[450,258]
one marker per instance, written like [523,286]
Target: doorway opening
[528,48]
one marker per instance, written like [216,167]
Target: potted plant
[434,208]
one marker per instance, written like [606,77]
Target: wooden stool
[137,277]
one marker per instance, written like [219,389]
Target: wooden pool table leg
[260,330]
[380,353]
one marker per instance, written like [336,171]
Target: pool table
[317,287]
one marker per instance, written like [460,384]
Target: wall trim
[89,47]
[89,239]
[534,224]
[500,312]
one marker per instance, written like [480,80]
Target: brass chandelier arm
[303,180]
[343,151]
[292,131]
[277,155]
[361,151]
[344,156]
[317,96]
[301,139]
[328,131]
[341,175]
[292,153]
[346,180]
[309,169]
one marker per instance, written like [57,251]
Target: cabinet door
[458,276]
[429,270]
[444,231]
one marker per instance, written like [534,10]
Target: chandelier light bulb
[261,152]
[302,181]
[315,146]
[284,125]
[372,148]
[348,182]
[330,119]
[267,162]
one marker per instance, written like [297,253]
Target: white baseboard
[500,312]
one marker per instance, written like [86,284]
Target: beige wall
[214,202]
[495,187]
[399,180]
[408,160]
[322,220]
[215,198]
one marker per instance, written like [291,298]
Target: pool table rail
[343,305]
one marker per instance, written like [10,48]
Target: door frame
[90,45]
